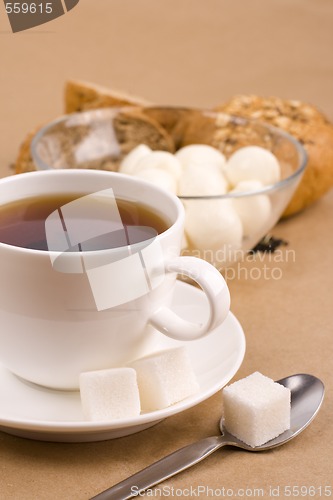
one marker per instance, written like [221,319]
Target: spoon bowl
[307,394]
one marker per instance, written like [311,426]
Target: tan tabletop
[197,53]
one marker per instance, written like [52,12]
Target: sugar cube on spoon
[256,409]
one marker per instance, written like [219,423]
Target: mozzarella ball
[160,160]
[213,225]
[254,211]
[161,178]
[252,163]
[201,180]
[202,154]
[131,159]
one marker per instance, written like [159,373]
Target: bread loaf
[82,96]
[305,123]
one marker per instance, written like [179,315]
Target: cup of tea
[89,259]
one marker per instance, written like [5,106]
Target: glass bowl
[100,139]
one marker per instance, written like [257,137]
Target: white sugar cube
[132,158]
[109,394]
[256,409]
[252,163]
[165,378]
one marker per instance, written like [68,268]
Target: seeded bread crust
[307,124]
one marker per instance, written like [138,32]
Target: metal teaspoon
[307,393]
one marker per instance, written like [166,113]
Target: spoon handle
[162,469]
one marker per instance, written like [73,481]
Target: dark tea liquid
[22,223]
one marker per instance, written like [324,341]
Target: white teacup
[53,324]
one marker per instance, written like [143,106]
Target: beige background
[198,53]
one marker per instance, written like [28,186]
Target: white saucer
[34,412]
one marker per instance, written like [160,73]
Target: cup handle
[213,285]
